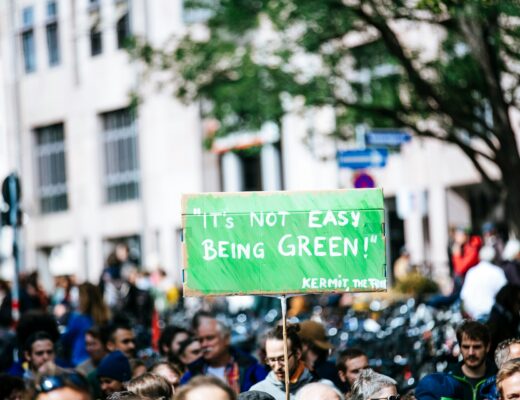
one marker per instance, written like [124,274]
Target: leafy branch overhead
[447,69]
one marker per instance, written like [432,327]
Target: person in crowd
[168,371]
[220,359]
[64,298]
[350,363]
[371,385]
[119,335]
[63,386]
[508,380]
[11,387]
[464,252]
[189,351]
[7,339]
[126,395]
[474,342]
[402,265]
[138,367]
[492,238]
[511,261]
[31,321]
[39,351]
[151,386]
[113,372]
[318,390]
[32,295]
[505,351]
[205,388]
[91,311]
[6,317]
[504,317]
[481,285]
[316,350]
[299,375]
[170,340]
[95,349]
[436,386]
[464,255]
[255,395]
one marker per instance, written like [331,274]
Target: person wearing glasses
[299,375]
[371,385]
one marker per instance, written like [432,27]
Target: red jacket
[468,257]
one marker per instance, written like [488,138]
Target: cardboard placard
[284,242]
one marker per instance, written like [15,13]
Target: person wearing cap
[113,371]
[315,351]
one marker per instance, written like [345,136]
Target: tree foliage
[250,59]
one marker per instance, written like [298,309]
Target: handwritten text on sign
[313,242]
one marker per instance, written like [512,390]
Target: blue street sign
[387,138]
[362,158]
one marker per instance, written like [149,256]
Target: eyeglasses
[48,383]
[279,360]
[392,397]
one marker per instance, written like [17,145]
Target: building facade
[96,170]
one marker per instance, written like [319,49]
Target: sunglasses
[48,383]
[392,397]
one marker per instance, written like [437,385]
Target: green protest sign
[284,242]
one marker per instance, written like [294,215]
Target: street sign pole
[13,220]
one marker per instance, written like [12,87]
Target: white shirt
[481,285]
[217,372]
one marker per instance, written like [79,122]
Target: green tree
[358,57]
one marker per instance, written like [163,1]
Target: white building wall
[76,92]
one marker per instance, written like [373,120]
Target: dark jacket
[250,371]
[472,391]
[435,386]
[489,389]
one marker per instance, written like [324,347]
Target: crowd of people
[106,341]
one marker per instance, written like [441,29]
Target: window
[28,44]
[51,28]
[123,30]
[121,156]
[96,40]
[50,154]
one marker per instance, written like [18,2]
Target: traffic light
[12,193]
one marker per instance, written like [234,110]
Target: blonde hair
[507,370]
[151,385]
[368,383]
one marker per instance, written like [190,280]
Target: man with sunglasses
[299,375]
[475,368]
